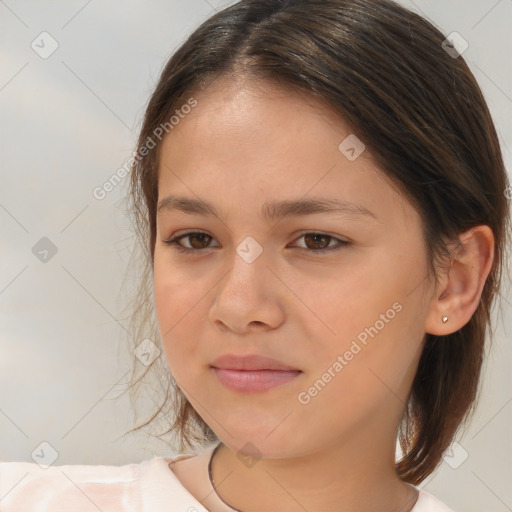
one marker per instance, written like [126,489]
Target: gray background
[68,122]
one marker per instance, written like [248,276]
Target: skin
[247,142]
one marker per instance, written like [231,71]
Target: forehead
[244,142]
[255,126]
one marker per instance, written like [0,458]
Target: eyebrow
[269,210]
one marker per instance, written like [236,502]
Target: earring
[445,319]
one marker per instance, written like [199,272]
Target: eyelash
[174,242]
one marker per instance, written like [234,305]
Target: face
[339,295]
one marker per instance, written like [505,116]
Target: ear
[458,293]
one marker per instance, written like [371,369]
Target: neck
[356,475]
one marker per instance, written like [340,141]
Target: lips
[250,362]
[254,380]
[252,373]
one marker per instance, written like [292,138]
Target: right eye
[196,242]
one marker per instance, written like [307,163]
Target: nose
[249,297]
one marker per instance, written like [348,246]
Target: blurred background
[75,78]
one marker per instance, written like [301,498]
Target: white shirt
[148,486]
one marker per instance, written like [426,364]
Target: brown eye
[321,242]
[314,242]
[317,241]
[199,240]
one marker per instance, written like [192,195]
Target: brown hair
[421,114]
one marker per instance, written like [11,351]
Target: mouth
[250,362]
[254,380]
[253,372]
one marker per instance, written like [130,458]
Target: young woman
[321,194]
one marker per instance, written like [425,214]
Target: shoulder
[25,485]
[428,503]
[148,485]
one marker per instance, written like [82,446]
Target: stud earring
[445,319]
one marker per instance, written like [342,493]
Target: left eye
[323,240]
[312,241]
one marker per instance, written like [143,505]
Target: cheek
[178,304]
[350,299]
[376,317]
[177,295]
